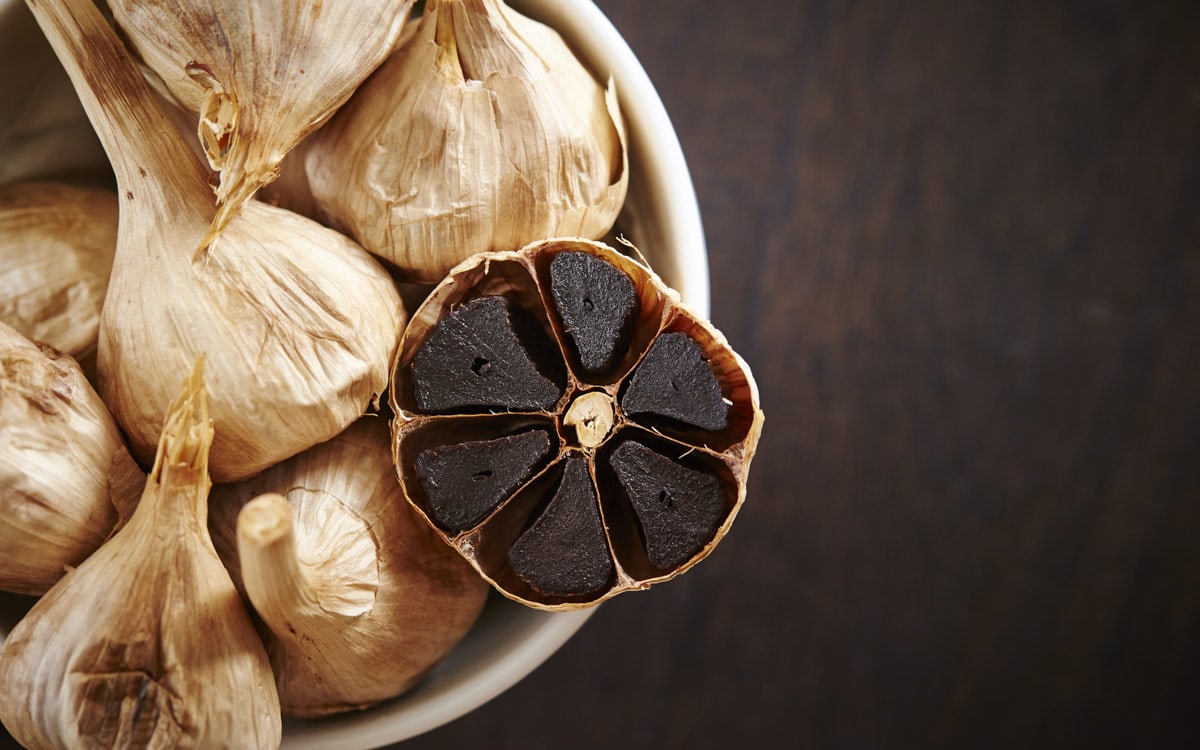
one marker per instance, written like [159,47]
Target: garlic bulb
[297,323]
[259,76]
[65,475]
[360,596]
[56,251]
[146,643]
[482,132]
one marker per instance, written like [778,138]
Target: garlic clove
[66,478]
[297,323]
[259,77]
[146,643]
[56,253]
[482,132]
[360,597]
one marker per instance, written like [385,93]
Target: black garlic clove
[564,552]
[597,303]
[679,508]
[481,356]
[673,380]
[465,482]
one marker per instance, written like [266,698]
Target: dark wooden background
[959,244]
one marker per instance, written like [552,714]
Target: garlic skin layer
[56,251]
[296,322]
[482,132]
[360,597]
[146,643]
[297,337]
[259,76]
[66,478]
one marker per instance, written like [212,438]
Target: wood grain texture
[959,244]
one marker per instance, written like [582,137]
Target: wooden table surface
[959,244]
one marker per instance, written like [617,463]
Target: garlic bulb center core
[592,416]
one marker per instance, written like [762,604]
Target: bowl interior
[45,135]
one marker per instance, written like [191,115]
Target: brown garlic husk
[599,435]
[482,132]
[56,251]
[146,643]
[259,77]
[296,322]
[66,478]
[360,597]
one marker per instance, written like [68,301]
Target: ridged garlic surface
[146,643]
[360,597]
[66,478]
[482,132]
[56,252]
[259,76]
[296,322]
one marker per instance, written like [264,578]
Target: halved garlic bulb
[296,322]
[56,251]
[360,596]
[66,478]
[259,76]
[146,643]
[482,132]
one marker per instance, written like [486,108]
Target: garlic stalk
[56,252]
[259,76]
[361,598]
[482,132]
[297,323]
[146,643]
[66,478]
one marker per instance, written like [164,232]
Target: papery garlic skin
[297,322]
[146,643]
[297,339]
[259,76]
[361,598]
[56,251]
[482,132]
[66,478]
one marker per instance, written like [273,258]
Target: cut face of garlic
[297,323]
[360,596]
[65,475]
[482,132]
[56,252]
[259,76]
[626,471]
[146,643]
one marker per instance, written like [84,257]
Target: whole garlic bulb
[259,76]
[56,252]
[66,478]
[482,132]
[296,322]
[360,597]
[146,643]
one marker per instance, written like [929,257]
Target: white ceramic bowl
[45,134]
